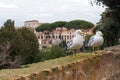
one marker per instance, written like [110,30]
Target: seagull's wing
[91,41]
[70,43]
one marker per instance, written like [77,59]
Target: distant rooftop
[32,21]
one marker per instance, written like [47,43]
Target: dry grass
[35,67]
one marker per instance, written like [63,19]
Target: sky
[48,11]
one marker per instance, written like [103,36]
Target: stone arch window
[46,37]
[70,36]
[56,37]
[53,36]
[38,37]
[49,36]
[41,37]
[62,36]
[67,36]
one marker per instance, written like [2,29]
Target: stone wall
[102,67]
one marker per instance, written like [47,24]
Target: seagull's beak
[82,33]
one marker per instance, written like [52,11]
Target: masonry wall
[104,67]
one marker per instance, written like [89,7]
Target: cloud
[49,10]
[40,15]
[4,5]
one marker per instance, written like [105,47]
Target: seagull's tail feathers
[88,44]
[68,48]
[68,51]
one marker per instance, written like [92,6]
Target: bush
[55,52]
[17,46]
[30,46]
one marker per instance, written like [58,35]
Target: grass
[37,67]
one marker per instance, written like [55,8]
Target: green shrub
[55,52]
[17,46]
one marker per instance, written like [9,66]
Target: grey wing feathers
[91,41]
[70,43]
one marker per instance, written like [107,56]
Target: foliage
[5,60]
[10,39]
[110,28]
[43,27]
[86,24]
[30,46]
[109,3]
[17,46]
[76,24]
[9,24]
[40,66]
[55,52]
[60,23]
[86,47]
[110,21]
[63,44]
[110,34]
[79,24]
[97,28]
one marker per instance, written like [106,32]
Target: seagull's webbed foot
[93,50]
[73,55]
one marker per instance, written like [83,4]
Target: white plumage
[96,40]
[76,42]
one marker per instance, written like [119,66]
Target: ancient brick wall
[102,67]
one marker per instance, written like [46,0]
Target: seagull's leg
[93,49]
[77,53]
[98,49]
[73,54]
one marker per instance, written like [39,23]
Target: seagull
[76,42]
[96,40]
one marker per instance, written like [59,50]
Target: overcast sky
[48,11]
